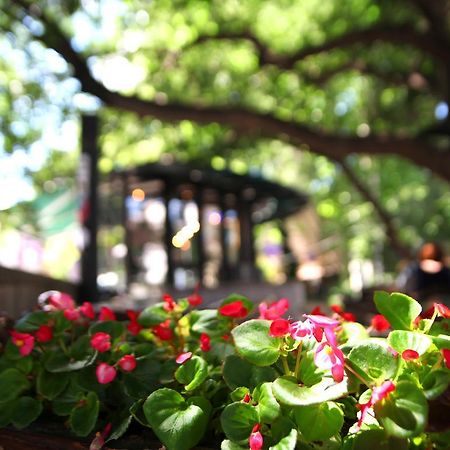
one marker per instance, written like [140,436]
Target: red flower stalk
[205,342]
[236,309]
[279,328]
[380,323]
[44,333]
[23,341]
[101,342]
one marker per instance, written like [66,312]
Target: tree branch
[244,122]
[385,218]
[402,34]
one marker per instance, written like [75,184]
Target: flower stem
[298,359]
[354,373]
[287,371]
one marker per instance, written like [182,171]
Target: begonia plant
[226,378]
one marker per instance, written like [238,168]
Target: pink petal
[181,359]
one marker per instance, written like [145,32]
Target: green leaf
[114,328]
[435,383]
[12,384]
[403,413]
[309,373]
[25,364]
[238,420]
[319,422]
[441,341]
[84,416]
[50,385]
[153,315]
[7,412]
[230,445]
[192,373]
[209,322]
[353,333]
[144,379]
[59,362]
[401,340]
[31,322]
[81,348]
[399,309]
[289,442]
[287,391]
[179,424]
[282,427]
[239,373]
[64,404]
[253,342]
[373,360]
[120,428]
[136,410]
[267,405]
[377,439]
[26,411]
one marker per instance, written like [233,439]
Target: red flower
[409,355]
[71,314]
[60,300]
[442,310]
[246,398]
[380,323]
[183,357]
[317,311]
[195,299]
[87,310]
[101,342]
[274,311]
[205,342]
[44,333]
[235,309]
[105,373]
[348,316]
[133,326]
[169,303]
[337,309]
[446,355]
[23,341]
[106,314]
[226,337]
[256,440]
[163,331]
[127,363]
[279,328]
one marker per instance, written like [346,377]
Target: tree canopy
[239,83]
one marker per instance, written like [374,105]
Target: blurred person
[427,279]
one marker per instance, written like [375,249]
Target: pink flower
[99,440]
[330,357]
[256,440]
[106,314]
[87,310]
[279,328]
[235,309]
[409,355]
[274,311]
[169,303]
[105,373]
[57,300]
[71,314]
[127,363]
[327,324]
[378,393]
[44,333]
[195,299]
[183,357]
[300,330]
[23,341]
[101,342]
[380,323]
[205,342]
[446,355]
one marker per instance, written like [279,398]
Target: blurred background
[278,148]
